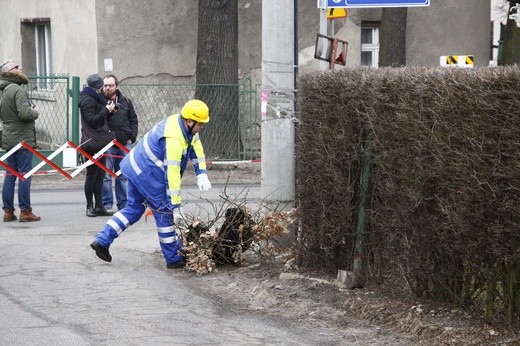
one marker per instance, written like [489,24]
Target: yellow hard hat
[195,110]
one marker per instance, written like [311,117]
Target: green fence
[232,134]
[234,130]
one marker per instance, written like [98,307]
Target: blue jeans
[113,159]
[21,161]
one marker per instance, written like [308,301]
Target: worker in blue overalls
[154,169]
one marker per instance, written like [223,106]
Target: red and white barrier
[70,158]
[92,159]
[48,160]
[234,162]
[9,168]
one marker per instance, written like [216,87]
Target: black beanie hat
[95,81]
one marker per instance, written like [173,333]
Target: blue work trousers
[171,245]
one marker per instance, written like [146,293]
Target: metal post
[358,267]
[75,110]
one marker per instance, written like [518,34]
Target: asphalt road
[55,291]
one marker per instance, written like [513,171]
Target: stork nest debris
[206,248]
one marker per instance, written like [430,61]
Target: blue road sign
[376,3]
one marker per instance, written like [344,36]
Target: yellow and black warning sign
[452,60]
[336,12]
[457,60]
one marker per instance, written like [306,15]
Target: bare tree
[510,52]
[217,75]
[392,39]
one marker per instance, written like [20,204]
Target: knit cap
[95,81]
[6,66]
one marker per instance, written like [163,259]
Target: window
[370,44]
[36,49]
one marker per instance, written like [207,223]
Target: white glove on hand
[203,182]
[178,217]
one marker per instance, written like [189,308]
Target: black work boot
[102,211]
[176,265]
[101,252]
[90,211]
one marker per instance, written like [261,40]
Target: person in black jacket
[125,124]
[95,134]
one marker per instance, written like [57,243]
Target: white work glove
[178,217]
[203,182]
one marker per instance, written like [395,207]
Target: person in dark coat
[18,117]
[124,124]
[95,134]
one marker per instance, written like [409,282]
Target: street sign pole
[322,5]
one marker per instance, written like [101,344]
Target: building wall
[446,27]
[149,40]
[164,48]
[73,31]
[156,40]
[449,27]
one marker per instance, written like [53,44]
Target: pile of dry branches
[205,248]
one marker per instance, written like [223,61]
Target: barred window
[37,49]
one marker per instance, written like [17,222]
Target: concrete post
[278,135]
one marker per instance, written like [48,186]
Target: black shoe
[102,211]
[176,265]
[101,252]
[91,212]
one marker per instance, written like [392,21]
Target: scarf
[95,95]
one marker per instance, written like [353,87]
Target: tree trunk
[509,52]
[217,76]
[392,38]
